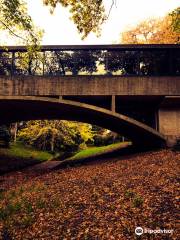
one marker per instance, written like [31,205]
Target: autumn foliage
[153,31]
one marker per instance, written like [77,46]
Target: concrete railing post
[113,103]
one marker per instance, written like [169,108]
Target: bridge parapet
[121,60]
[89,85]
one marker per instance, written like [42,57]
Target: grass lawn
[19,156]
[97,151]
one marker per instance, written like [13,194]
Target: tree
[72,62]
[176,19]
[153,31]
[15,20]
[55,135]
[87,15]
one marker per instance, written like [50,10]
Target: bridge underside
[23,108]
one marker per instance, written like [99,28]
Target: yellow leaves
[87,15]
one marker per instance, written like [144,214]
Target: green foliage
[18,150]
[14,19]
[103,137]
[88,15]
[96,151]
[176,19]
[55,135]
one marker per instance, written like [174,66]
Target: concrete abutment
[169,119]
[169,124]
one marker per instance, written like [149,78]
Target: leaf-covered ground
[100,200]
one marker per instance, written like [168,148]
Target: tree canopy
[152,31]
[56,135]
[14,20]
[176,19]
[87,15]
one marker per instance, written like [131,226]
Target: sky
[59,29]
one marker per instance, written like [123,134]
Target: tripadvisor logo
[138,231]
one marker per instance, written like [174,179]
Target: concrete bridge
[131,89]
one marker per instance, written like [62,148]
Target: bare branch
[12,31]
[112,4]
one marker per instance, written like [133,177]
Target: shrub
[4,136]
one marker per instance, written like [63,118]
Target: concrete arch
[18,108]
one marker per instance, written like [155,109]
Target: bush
[108,139]
[4,136]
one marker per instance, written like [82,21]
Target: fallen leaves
[103,200]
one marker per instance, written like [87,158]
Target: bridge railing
[122,60]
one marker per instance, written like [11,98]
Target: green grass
[18,150]
[97,151]
[18,156]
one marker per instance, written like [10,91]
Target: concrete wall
[169,124]
[88,85]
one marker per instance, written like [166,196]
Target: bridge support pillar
[113,103]
[60,98]
[169,124]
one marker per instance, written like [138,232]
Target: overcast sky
[59,29]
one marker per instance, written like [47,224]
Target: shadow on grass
[115,155]
[19,156]
[9,164]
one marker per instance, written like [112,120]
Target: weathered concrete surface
[88,85]
[91,87]
[169,119]
[18,108]
[169,124]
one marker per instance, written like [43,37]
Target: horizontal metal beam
[94,47]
